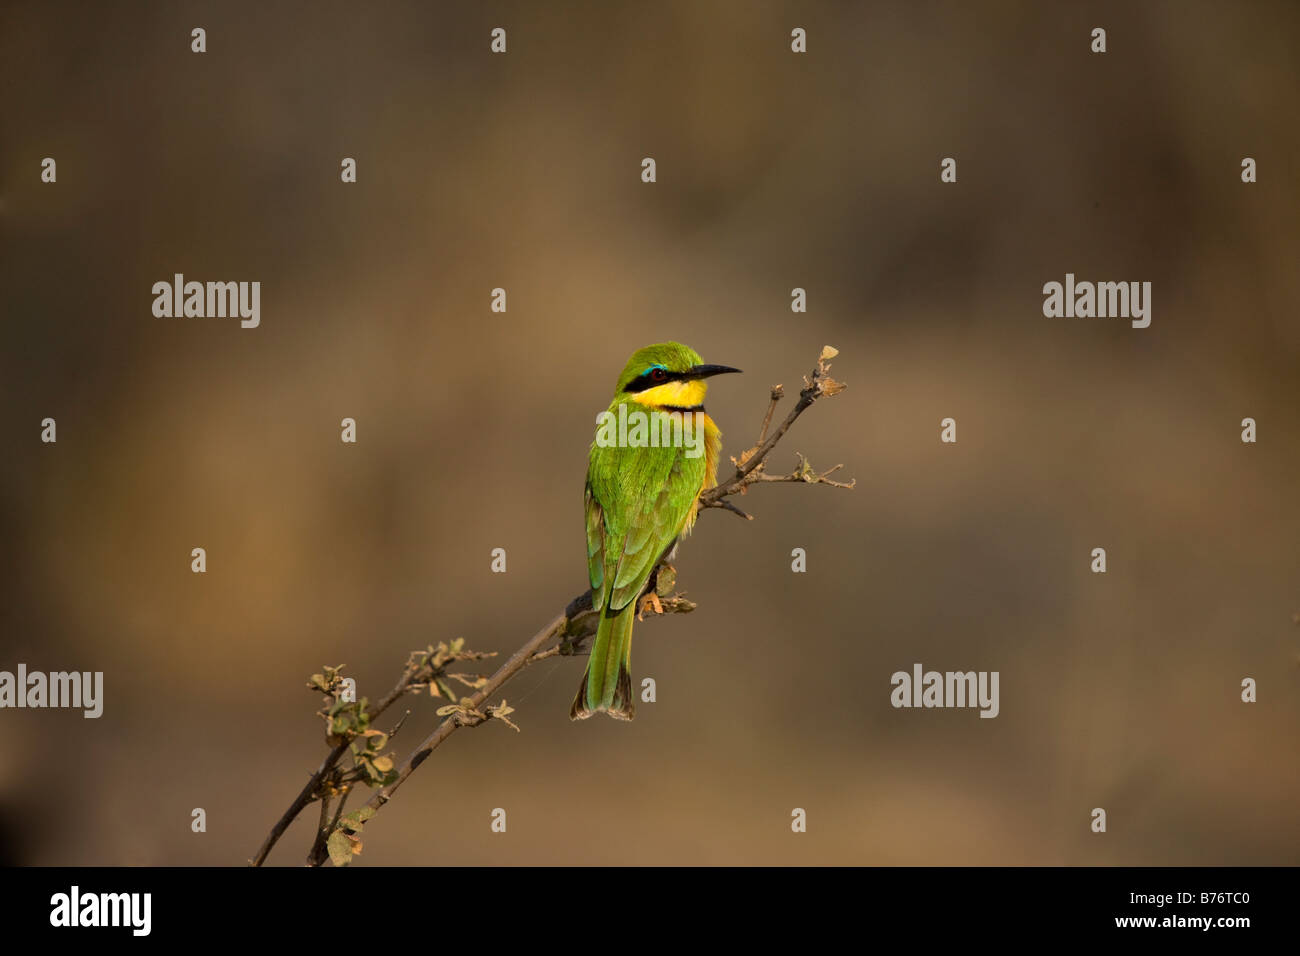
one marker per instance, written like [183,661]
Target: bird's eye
[658,375]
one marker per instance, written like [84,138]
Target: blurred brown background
[775,170]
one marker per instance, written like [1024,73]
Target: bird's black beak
[704,371]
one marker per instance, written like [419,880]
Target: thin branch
[323,826]
[316,856]
[301,801]
[312,789]
[572,631]
[778,392]
[727,505]
[450,725]
[750,466]
[810,478]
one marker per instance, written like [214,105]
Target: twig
[750,465]
[575,629]
[310,791]
[323,827]
[778,392]
[316,856]
[449,726]
[301,801]
[728,506]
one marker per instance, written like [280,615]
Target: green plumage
[638,500]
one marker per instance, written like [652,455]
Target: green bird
[655,450]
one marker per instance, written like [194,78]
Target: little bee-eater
[643,489]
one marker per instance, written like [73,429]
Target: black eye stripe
[653,378]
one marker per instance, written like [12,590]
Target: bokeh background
[775,170]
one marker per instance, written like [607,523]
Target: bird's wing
[638,501]
[595,547]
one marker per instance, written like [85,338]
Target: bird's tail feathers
[607,684]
